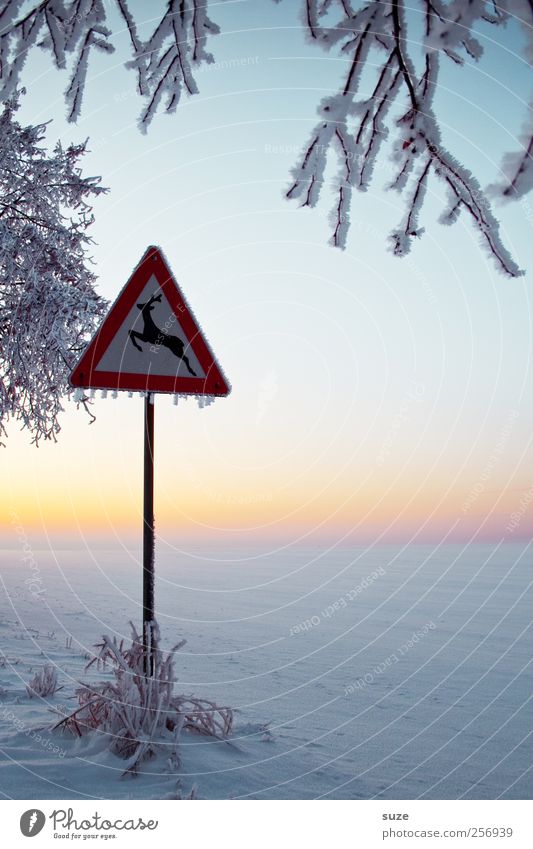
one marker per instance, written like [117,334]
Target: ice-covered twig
[48,303]
[354,126]
[61,29]
[164,62]
[519,167]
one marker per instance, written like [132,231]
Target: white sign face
[151,341]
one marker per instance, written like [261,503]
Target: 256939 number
[491,832]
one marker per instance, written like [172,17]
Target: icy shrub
[141,713]
[44,682]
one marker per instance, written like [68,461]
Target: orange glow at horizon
[401,509]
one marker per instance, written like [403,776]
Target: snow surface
[386,672]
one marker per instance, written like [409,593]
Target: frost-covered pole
[148,533]
[126,355]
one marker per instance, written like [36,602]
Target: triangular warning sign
[150,340]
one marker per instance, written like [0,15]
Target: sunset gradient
[372,398]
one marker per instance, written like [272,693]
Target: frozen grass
[141,713]
[44,683]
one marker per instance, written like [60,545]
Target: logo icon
[32,822]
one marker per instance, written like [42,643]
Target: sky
[374,399]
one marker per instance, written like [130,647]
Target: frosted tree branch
[517,166]
[353,126]
[58,28]
[164,62]
[48,305]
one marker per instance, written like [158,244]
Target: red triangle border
[84,374]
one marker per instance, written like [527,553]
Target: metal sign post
[150,341]
[148,535]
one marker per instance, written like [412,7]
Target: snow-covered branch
[59,28]
[517,166]
[354,126]
[164,62]
[48,304]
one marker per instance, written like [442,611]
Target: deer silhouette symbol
[154,336]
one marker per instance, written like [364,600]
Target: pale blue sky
[364,385]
